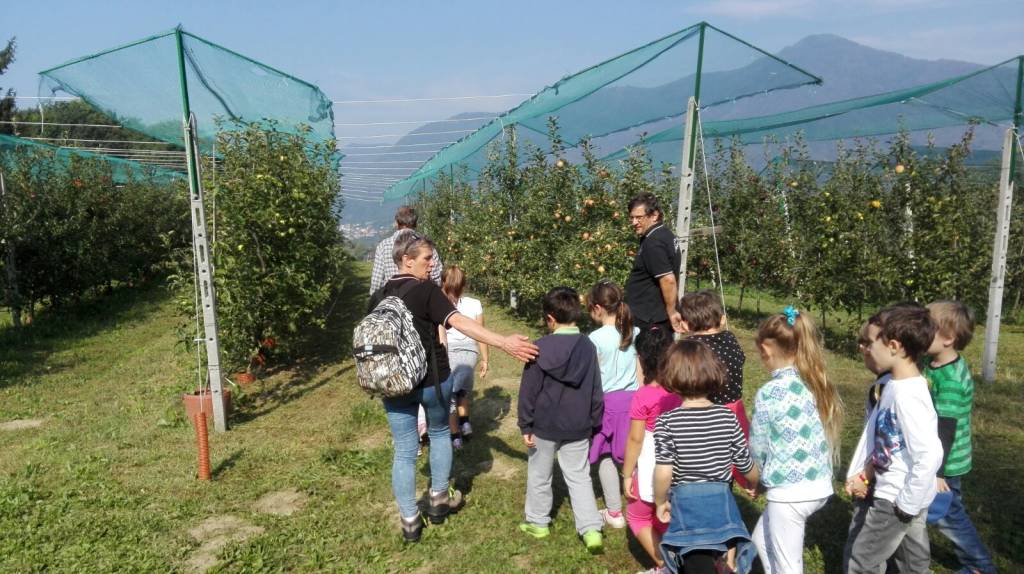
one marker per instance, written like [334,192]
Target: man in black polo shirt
[651,287]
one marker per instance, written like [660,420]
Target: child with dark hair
[704,320]
[560,406]
[898,455]
[617,360]
[696,446]
[638,467]
[952,391]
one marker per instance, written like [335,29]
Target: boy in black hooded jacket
[560,406]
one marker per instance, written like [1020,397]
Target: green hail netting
[122,170]
[988,97]
[643,90]
[139,85]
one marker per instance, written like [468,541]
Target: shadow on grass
[227,464]
[318,348]
[23,352]
[477,457]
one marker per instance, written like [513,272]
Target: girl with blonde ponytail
[794,436]
[617,360]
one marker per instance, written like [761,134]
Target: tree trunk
[743,288]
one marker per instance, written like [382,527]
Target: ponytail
[624,324]
[796,335]
[609,297]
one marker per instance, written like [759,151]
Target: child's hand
[483,368]
[856,488]
[528,439]
[940,484]
[664,512]
[627,487]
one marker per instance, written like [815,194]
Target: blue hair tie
[791,314]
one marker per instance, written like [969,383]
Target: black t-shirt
[429,308]
[657,256]
[725,346]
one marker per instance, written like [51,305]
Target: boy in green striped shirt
[952,392]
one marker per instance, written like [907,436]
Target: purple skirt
[611,437]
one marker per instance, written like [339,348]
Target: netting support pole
[689,160]
[200,246]
[1002,239]
[683,211]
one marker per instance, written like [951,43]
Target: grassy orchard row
[278,254]
[67,229]
[880,224]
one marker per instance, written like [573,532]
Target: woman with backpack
[414,256]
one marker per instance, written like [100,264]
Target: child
[638,467]
[898,455]
[952,391]
[794,438]
[704,320]
[560,406]
[696,446]
[617,359]
[868,332]
[462,353]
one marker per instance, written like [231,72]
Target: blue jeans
[957,526]
[402,413]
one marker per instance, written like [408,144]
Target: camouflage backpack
[390,359]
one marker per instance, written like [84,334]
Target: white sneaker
[466,429]
[613,521]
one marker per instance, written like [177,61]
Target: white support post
[1002,239]
[204,270]
[685,193]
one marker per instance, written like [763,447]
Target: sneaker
[466,429]
[443,503]
[412,528]
[594,542]
[534,530]
[613,519]
[457,442]
[654,570]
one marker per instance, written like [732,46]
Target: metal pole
[995,290]
[200,248]
[687,171]
[685,197]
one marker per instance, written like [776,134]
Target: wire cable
[437,99]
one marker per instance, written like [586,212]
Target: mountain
[848,70]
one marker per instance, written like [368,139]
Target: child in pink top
[638,467]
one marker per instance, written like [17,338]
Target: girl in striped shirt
[696,446]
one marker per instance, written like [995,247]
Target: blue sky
[380,49]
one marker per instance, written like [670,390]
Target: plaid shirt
[384,263]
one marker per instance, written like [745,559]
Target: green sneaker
[594,542]
[534,530]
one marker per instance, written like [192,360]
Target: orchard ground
[101,476]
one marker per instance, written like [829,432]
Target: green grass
[107,483]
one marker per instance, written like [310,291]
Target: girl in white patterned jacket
[794,437]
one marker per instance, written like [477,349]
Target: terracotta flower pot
[192,403]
